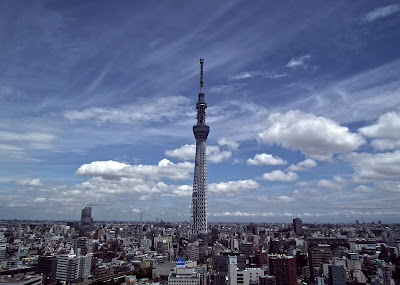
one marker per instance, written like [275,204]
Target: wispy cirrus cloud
[381,12]
[299,61]
[252,74]
[144,111]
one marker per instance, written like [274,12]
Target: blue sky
[97,104]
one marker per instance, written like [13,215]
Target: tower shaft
[198,221]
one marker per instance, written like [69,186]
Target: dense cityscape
[291,176]
[87,252]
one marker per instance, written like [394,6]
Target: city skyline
[96,109]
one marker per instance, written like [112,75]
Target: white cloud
[303,165]
[188,152]
[285,198]
[102,168]
[183,191]
[164,169]
[265,159]
[386,132]
[363,189]
[336,183]
[19,142]
[233,187]
[282,198]
[34,182]
[185,152]
[39,200]
[317,137]
[299,61]
[155,110]
[251,74]
[369,166]
[216,155]
[136,211]
[243,214]
[232,145]
[388,186]
[278,175]
[381,12]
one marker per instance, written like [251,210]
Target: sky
[97,104]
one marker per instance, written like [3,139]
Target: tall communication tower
[198,221]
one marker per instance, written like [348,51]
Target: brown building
[284,269]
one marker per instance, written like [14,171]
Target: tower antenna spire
[201,74]
[198,219]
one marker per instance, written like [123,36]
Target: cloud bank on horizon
[98,103]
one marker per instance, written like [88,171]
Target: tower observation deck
[198,219]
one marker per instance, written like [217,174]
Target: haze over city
[98,100]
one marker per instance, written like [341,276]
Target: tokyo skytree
[198,220]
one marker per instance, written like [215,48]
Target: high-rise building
[232,270]
[284,269]
[67,267]
[198,221]
[319,255]
[3,251]
[337,274]
[81,247]
[85,263]
[247,248]
[47,265]
[298,226]
[86,221]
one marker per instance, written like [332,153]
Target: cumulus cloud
[302,165]
[136,211]
[33,182]
[363,189]
[388,186]
[182,191]
[299,61]
[278,175]
[188,152]
[108,168]
[369,166]
[243,214]
[381,12]
[386,132]
[185,152]
[265,159]
[233,187]
[337,182]
[39,200]
[232,145]
[114,169]
[317,137]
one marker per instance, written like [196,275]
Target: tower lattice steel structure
[198,221]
